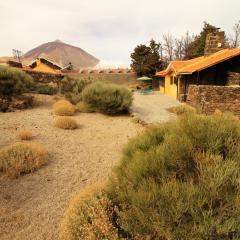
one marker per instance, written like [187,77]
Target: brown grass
[25,135]
[83,107]
[66,123]
[182,109]
[21,158]
[88,216]
[63,108]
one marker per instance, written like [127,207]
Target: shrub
[65,123]
[88,217]
[181,180]
[25,135]
[63,108]
[182,109]
[72,87]
[13,81]
[83,107]
[46,89]
[107,98]
[21,158]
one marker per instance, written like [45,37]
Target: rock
[10,104]
[4,103]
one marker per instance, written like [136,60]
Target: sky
[107,29]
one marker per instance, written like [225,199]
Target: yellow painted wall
[162,85]
[161,89]
[170,89]
[41,67]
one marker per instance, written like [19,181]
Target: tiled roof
[200,63]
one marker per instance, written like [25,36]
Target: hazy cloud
[107,29]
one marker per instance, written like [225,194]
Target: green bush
[72,87]
[107,98]
[13,81]
[181,180]
[46,89]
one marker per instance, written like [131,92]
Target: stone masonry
[233,78]
[208,98]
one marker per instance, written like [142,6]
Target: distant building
[45,65]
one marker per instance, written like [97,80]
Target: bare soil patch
[32,205]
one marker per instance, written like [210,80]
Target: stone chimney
[214,42]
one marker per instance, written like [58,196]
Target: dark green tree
[146,60]
[196,48]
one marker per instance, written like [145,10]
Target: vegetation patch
[107,98]
[89,216]
[66,123]
[181,180]
[63,108]
[182,109]
[83,107]
[72,87]
[25,135]
[46,89]
[14,81]
[21,158]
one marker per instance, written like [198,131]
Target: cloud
[107,29]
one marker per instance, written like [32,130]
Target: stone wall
[117,78]
[44,77]
[233,78]
[209,98]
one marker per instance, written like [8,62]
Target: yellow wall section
[41,67]
[170,89]
[162,89]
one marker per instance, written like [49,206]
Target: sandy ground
[32,206]
[152,108]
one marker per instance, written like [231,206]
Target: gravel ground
[32,206]
[152,108]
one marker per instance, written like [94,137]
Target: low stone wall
[209,98]
[117,78]
[44,77]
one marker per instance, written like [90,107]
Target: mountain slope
[62,54]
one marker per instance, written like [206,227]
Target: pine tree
[146,60]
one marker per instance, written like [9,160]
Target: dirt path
[152,108]
[32,206]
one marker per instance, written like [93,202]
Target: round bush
[88,216]
[181,180]
[83,107]
[22,158]
[63,108]
[66,123]
[107,98]
[13,81]
[25,135]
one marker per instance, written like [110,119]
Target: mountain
[62,54]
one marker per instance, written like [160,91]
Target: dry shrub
[182,109]
[25,135]
[22,158]
[217,112]
[83,107]
[66,123]
[63,108]
[88,216]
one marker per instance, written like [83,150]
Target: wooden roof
[200,63]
